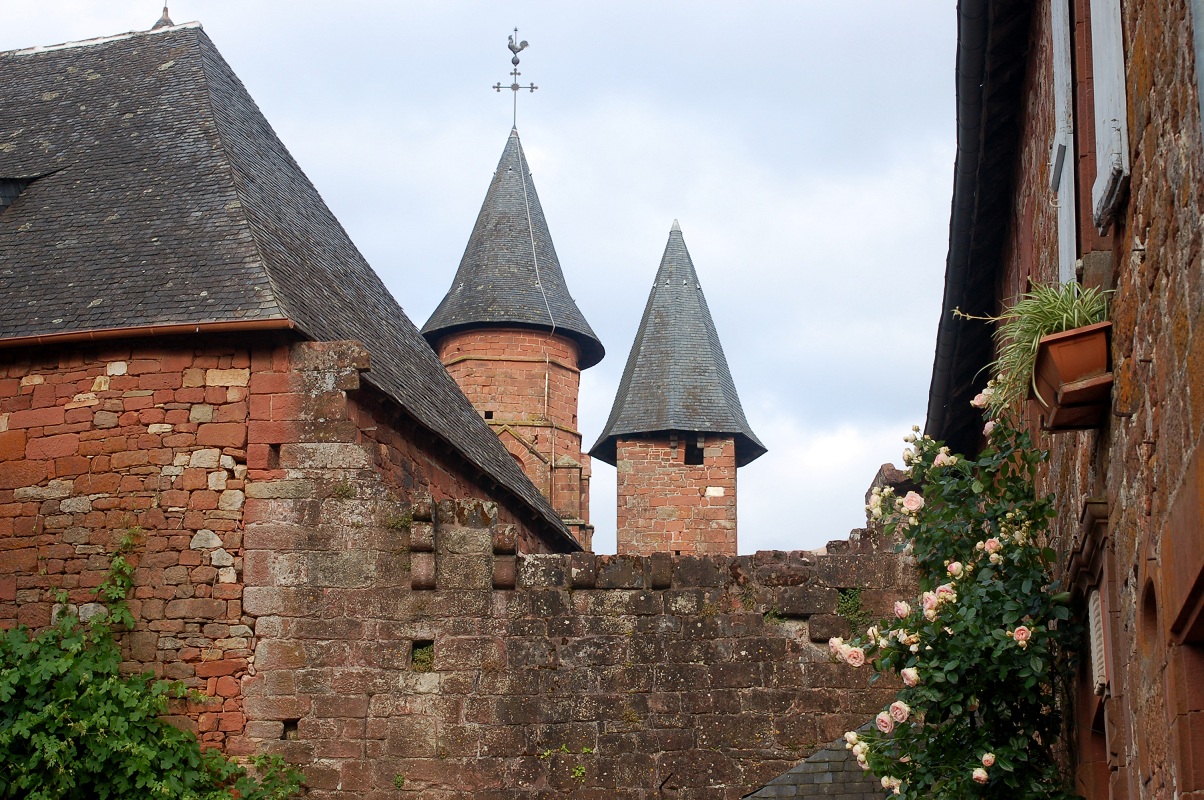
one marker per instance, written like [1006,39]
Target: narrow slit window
[694,451]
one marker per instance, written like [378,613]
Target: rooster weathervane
[515,48]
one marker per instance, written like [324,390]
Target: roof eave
[991,62]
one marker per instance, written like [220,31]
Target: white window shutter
[1099,662]
[1111,111]
[1061,156]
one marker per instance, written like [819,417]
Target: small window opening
[488,415]
[10,190]
[290,729]
[273,456]
[422,655]
[694,451]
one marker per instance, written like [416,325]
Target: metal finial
[515,48]
[164,21]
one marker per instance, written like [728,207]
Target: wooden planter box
[1073,378]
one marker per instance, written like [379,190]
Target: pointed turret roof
[509,259]
[676,378]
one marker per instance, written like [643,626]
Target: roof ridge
[228,168]
[117,37]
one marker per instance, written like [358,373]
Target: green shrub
[72,726]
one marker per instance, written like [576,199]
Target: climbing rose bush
[982,652]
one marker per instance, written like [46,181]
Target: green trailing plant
[72,726]
[1043,311]
[848,606]
[983,653]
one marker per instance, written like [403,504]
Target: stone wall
[428,652]
[166,442]
[1130,495]
[671,506]
[526,383]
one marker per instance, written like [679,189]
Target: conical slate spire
[676,378]
[509,259]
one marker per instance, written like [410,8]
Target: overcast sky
[806,147]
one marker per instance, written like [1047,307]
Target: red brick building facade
[1080,158]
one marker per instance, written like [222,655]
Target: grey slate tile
[163,196]
[508,260]
[677,378]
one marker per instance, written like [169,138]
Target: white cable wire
[534,255]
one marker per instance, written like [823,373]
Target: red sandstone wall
[552,675]
[668,506]
[526,384]
[169,440]
[1146,463]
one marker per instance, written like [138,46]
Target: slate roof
[676,378]
[162,196]
[506,263]
[831,773]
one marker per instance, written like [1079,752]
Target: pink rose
[945,593]
[955,568]
[928,600]
[991,545]
[855,656]
[1022,634]
[902,609]
[980,775]
[884,722]
[983,398]
[943,459]
[912,502]
[835,644]
[900,711]
[910,676]
[990,426]
[988,760]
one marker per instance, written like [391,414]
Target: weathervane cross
[515,48]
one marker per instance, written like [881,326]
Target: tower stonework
[667,503]
[677,432]
[525,383]
[514,340]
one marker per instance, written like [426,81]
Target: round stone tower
[512,337]
[677,432]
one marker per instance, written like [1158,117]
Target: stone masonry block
[583,570]
[422,571]
[803,601]
[464,571]
[422,537]
[620,572]
[505,539]
[505,572]
[285,489]
[465,541]
[424,508]
[542,570]
[822,627]
[324,455]
[690,571]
